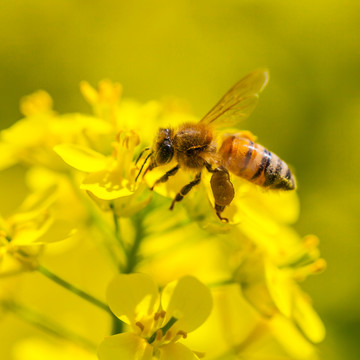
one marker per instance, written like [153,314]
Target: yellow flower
[126,114]
[23,234]
[110,181]
[235,330]
[105,100]
[31,139]
[157,323]
[274,291]
[253,264]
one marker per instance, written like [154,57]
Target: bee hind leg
[185,190]
[219,209]
[223,190]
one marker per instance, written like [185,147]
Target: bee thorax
[192,143]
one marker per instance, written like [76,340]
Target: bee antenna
[140,155]
[142,166]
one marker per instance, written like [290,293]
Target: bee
[194,147]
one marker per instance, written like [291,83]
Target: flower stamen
[158,319]
[140,326]
[158,335]
[168,335]
[180,334]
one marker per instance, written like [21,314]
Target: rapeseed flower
[30,140]
[24,234]
[82,179]
[157,322]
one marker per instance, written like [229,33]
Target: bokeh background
[195,50]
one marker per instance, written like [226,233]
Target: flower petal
[132,297]
[107,185]
[176,351]
[125,346]
[232,322]
[307,319]
[189,301]
[81,157]
[290,338]
[7,156]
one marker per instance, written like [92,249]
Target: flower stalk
[65,284]
[49,326]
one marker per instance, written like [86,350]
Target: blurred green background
[195,50]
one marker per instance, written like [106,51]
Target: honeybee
[194,147]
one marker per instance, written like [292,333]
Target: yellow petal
[280,288]
[89,93]
[290,338]
[81,158]
[35,103]
[251,276]
[107,185]
[189,301]
[36,203]
[57,231]
[7,156]
[231,322]
[132,297]
[176,351]
[27,233]
[125,346]
[307,319]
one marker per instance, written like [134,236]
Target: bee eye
[164,153]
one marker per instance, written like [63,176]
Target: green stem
[131,259]
[95,218]
[221,283]
[117,229]
[40,321]
[73,289]
[117,326]
[132,254]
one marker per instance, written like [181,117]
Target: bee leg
[140,155]
[222,189]
[166,176]
[209,168]
[179,196]
[219,209]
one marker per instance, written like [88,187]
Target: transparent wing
[239,102]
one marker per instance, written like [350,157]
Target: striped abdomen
[253,162]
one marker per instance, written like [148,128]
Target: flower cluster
[182,284]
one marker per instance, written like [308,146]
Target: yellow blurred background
[195,50]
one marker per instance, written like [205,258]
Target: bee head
[163,149]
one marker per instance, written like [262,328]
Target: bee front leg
[179,196]
[166,176]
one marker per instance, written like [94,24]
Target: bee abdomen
[255,163]
[278,175]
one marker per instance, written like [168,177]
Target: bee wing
[239,102]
